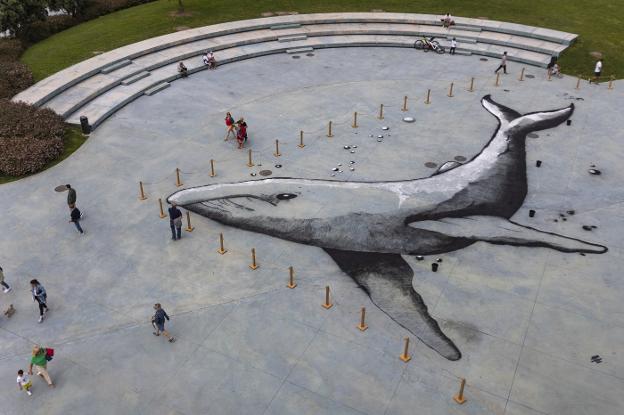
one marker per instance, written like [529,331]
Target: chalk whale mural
[457,206]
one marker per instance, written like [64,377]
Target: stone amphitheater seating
[99,86]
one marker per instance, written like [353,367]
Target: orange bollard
[162,212]
[221,249]
[250,163]
[611,82]
[380,112]
[404,103]
[450,94]
[362,326]
[354,125]
[301,145]
[405,356]
[291,278]
[459,398]
[428,100]
[578,82]
[522,75]
[212,169]
[277,153]
[141,192]
[178,181]
[189,228]
[253,264]
[327,304]
[329,130]
[471,89]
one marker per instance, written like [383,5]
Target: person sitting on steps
[182,70]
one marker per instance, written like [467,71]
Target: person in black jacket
[175,221]
[71,196]
[75,217]
[158,321]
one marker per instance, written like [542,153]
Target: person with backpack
[175,221]
[74,216]
[230,126]
[241,136]
[39,360]
[40,296]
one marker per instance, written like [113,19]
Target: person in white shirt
[23,382]
[503,64]
[597,70]
[453,46]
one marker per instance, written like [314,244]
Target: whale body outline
[455,207]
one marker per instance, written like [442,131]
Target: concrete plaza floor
[527,320]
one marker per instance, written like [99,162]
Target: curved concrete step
[45,90]
[114,99]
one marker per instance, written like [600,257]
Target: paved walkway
[527,320]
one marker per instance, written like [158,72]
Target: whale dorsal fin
[502,231]
[387,279]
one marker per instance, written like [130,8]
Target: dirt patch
[97,52]
[377,11]
[181,28]
[267,14]
[483,18]
[596,55]
[180,14]
[285,13]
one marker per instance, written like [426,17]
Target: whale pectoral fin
[502,231]
[387,279]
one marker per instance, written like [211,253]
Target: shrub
[40,30]
[14,77]
[30,137]
[10,49]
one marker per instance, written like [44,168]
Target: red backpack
[49,354]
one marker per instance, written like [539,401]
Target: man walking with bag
[175,221]
[39,360]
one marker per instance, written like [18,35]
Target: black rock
[439,260]
[278,166]
[420,257]
[587,228]
[570,212]
[595,172]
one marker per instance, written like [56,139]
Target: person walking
[597,71]
[71,196]
[40,296]
[241,135]
[75,216]
[6,288]
[453,46]
[175,221]
[23,382]
[230,126]
[503,64]
[158,321]
[39,361]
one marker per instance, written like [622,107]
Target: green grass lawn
[73,140]
[596,21]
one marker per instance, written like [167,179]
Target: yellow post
[362,326]
[459,398]
[471,89]
[277,153]
[380,112]
[329,130]
[291,278]
[405,356]
[611,82]
[212,169]
[354,125]
[450,93]
[162,212]
[428,101]
[578,82]
[250,163]
[178,181]
[253,265]
[327,304]
[549,76]
[301,145]
[141,192]
[221,249]
[189,228]
[521,75]
[404,103]
[497,83]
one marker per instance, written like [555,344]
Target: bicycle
[428,44]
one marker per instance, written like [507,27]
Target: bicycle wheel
[435,44]
[440,50]
[419,44]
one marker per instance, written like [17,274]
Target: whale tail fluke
[514,122]
[387,279]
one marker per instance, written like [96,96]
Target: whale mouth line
[232,202]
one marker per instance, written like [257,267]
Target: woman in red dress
[229,123]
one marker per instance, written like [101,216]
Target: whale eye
[286,196]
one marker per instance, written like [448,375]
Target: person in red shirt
[241,136]
[230,125]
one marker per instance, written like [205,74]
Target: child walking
[23,382]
